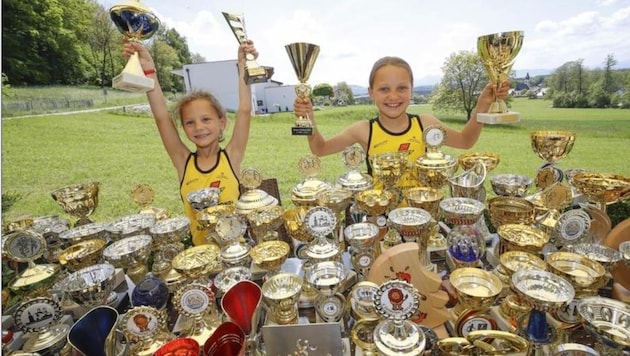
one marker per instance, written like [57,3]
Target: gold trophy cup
[254,73]
[497,52]
[303,56]
[136,22]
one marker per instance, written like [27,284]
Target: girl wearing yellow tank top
[391,87]
[203,120]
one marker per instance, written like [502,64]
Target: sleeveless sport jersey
[410,140]
[220,176]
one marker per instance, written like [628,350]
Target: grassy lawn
[42,154]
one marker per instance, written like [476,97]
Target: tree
[324,89]
[166,59]
[178,42]
[463,79]
[609,83]
[197,58]
[343,94]
[101,38]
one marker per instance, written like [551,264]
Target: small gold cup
[82,254]
[476,288]
[511,210]
[270,255]
[282,292]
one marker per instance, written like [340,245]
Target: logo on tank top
[404,146]
[222,176]
[215,184]
[380,143]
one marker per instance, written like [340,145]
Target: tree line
[74,42]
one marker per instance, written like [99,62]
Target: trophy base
[499,118]
[301,131]
[132,83]
[255,75]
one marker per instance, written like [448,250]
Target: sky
[353,34]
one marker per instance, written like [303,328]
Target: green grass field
[42,154]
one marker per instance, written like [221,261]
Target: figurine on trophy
[137,23]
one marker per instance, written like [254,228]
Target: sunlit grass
[42,154]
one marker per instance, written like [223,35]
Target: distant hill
[358,90]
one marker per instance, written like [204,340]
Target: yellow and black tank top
[382,141]
[220,176]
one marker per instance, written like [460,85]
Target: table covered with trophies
[531,267]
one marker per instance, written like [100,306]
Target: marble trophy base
[132,83]
[499,118]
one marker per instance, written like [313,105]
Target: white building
[220,79]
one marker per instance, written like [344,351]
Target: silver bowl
[511,184]
[134,224]
[608,320]
[203,198]
[90,286]
[461,211]
[171,230]
[542,290]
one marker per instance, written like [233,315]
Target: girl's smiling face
[391,91]
[202,123]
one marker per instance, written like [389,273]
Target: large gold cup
[303,56]
[254,73]
[497,52]
[78,200]
[136,22]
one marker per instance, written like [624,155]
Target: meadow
[42,154]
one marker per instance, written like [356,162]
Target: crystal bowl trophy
[361,238]
[28,246]
[196,302]
[397,301]
[253,198]
[603,188]
[551,146]
[78,200]
[131,254]
[303,56]
[435,167]
[326,277]
[254,73]
[544,292]
[137,23]
[608,320]
[510,185]
[282,292]
[465,242]
[477,290]
[497,52]
[39,319]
